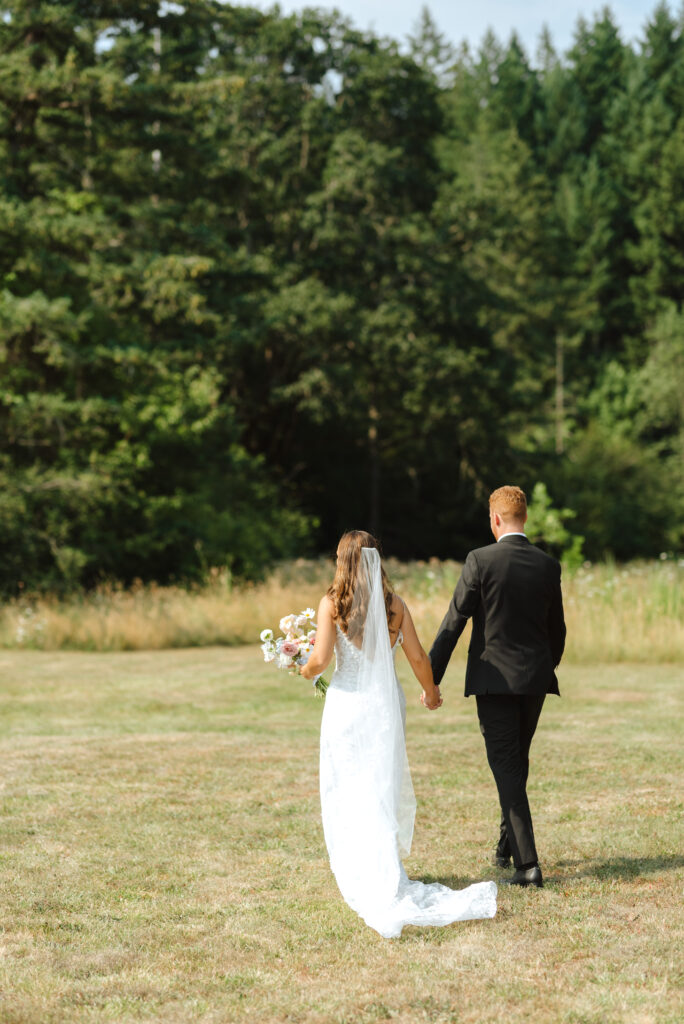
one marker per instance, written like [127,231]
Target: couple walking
[512,592]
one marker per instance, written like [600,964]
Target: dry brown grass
[632,613]
[162,855]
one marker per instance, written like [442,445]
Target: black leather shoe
[501,861]
[525,877]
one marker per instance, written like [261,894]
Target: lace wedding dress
[367,801]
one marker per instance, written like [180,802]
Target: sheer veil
[380,731]
[367,801]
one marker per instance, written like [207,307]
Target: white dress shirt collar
[511,534]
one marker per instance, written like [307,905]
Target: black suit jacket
[512,591]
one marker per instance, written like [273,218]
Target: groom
[512,591]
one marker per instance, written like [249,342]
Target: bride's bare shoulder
[398,609]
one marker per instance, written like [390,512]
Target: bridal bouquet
[292,650]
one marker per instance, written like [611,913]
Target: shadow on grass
[620,867]
[614,868]
[458,881]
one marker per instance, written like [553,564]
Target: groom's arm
[462,605]
[556,622]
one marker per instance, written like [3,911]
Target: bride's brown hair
[341,590]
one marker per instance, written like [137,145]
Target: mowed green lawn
[162,856]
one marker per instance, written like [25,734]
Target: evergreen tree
[430,48]
[260,271]
[122,456]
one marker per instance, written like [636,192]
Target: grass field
[162,857]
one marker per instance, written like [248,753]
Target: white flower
[284,661]
[268,652]
[266,634]
[311,634]
[308,613]
[301,622]
[287,623]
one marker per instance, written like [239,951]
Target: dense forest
[265,278]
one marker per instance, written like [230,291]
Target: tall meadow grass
[629,613]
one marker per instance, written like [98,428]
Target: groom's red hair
[509,502]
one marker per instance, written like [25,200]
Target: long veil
[367,800]
[380,732]
[371,808]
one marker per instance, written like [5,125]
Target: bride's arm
[325,641]
[419,661]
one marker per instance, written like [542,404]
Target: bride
[367,801]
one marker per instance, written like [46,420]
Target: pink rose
[289,648]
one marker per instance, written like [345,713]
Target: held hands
[432,699]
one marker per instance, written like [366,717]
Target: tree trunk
[374,512]
[560,397]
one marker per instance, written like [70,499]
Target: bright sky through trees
[459,20]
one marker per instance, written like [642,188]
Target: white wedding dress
[367,801]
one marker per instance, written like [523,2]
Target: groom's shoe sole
[531,876]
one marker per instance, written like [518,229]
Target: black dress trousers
[508,723]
